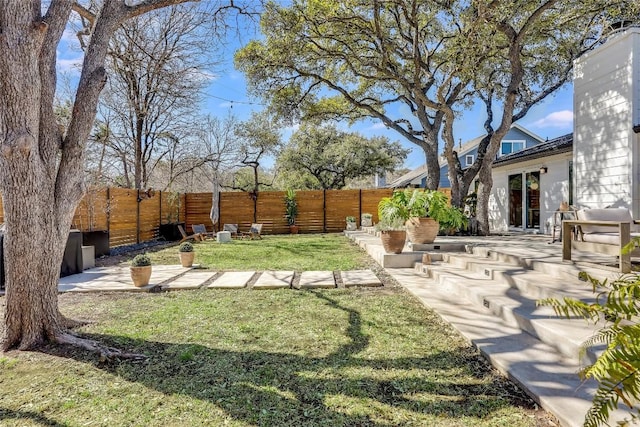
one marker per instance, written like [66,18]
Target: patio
[487,288]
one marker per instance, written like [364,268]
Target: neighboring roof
[562,144]
[527,131]
[405,179]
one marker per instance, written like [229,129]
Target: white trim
[467,161]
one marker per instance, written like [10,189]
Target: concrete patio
[487,288]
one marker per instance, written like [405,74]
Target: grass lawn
[279,252]
[372,357]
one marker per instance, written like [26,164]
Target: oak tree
[381,59]
[328,158]
[41,162]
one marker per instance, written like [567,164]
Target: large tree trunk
[41,167]
[484,193]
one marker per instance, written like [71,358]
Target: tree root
[106,353]
[68,323]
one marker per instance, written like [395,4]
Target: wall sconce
[543,170]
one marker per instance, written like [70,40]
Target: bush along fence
[123,216]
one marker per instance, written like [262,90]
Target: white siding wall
[605,85]
[554,188]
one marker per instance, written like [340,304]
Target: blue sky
[227,93]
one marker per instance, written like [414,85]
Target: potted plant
[366,220]
[392,234]
[452,221]
[141,270]
[351,223]
[291,210]
[186,254]
[421,209]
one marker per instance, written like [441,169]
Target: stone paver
[274,280]
[316,279]
[116,278]
[232,280]
[359,278]
[191,280]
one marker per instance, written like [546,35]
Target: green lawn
[260,358]
[279,252]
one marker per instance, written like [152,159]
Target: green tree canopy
[324,157]
[354,59]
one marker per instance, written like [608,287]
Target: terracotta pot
[393,240]
[140,275]
[186,258]
[294,229]
[422,230]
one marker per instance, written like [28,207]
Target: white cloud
[558,119]
[70,65]
[377,126]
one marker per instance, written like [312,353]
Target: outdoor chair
[185,236]
[231,228]
[253,233]
[202,231]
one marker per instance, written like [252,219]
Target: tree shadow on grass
[11,415]
[339,389]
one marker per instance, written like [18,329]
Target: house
[598,165]
[518,138]
[529,185]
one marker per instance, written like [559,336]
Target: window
[468,159]
[509,147]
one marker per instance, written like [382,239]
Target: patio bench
[603,231]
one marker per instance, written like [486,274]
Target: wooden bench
[604,231]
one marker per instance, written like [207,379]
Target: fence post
[109,212]
[359,220]
[324,210]
[138,200]
[160,210]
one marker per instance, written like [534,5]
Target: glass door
[515,201]
[533,200]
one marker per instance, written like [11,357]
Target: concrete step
[560,270]
[537,366]
[512,298]
[534,284]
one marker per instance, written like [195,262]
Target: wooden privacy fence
[132,216]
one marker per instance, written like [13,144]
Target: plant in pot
[351,223]
[453,220]
[392,234]
[186,253]
[422,210]
[393,214]
[141,270]
[366,220]
[291,210]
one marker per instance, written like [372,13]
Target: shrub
[141,260]
[186,247]
[351,219]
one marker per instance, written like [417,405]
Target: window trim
[468,162]
[511,141]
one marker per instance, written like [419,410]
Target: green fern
[617,370]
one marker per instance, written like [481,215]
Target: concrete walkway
[174,277]
[487,289]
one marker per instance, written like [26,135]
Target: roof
[562,144]
[405,179]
